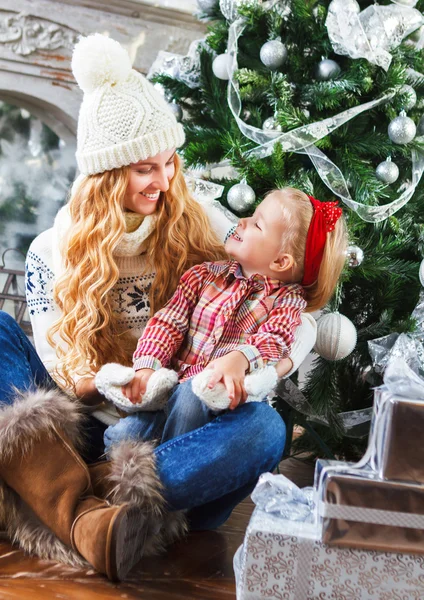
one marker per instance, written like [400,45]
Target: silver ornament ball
[416,35]
[409,3]
[220,66]
[206,6]
[327,69]
[336,336]
[271,124]
[421,273]
[176,110]
[402,130]
[387,171]
[241,197]
[410,96]
[273,54]
[355,256]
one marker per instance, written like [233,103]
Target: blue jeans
[206,471]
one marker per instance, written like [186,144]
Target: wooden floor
[199,567]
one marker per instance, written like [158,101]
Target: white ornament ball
[410,96]
[336,336]
[355,256]
[421,273]
[402,130]
[327,69]
[409,3]
[416,35]
[176,110]
[273,54]
[220,66]
[241,197]
[271,124]
[387,171]
[206,6]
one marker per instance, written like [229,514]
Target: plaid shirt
[216,310]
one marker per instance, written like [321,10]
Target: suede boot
[38,461]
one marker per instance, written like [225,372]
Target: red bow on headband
[324,219]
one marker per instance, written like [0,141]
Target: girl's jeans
[207,463]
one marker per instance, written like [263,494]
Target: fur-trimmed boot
[126,478]
[46,478]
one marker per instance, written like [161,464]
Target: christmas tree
[327,97]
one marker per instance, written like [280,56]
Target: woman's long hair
[297,213]
[85,336]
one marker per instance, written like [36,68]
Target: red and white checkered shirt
[216,310]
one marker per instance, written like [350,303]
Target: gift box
[360,511]
[285,559]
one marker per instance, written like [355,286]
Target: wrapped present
[283,558]
[358,510]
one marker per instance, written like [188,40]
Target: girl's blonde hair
[297,213]
[85,337]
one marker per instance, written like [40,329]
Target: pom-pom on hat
[123,119]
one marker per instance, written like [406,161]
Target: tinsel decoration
[402,129]
[273,54]
[336,336]
[241,197]
[327,69]
[355,256]
[387,171]
[220,66]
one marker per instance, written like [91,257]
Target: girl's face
[148,178]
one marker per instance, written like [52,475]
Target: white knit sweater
[130,293]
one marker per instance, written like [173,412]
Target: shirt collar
[232,269]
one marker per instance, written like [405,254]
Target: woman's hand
[230,370]
[86,391]
[135,389]
[283,367]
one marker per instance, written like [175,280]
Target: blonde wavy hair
[297,214]
[85,337]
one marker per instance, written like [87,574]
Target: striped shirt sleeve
[274,338]
[165,331]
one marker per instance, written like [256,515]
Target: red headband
[326,215]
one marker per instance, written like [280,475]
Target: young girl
[233,317]
[115,255]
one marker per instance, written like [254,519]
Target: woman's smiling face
[148,178]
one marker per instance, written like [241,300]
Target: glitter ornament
[410,96]
[336,336]
[220,66]
[355,256]
[206,6]
[241,197]
[387,171]
[271,124]
[402,129]
[273,54]
[327,69]
[421,273]
[176,110]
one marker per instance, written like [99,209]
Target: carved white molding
[25,34]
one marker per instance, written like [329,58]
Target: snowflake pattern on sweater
[38,284]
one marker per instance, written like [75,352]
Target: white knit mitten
[112,377]
[258,385]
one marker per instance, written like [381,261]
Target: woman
[115,255]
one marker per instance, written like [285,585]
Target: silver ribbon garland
[302,140]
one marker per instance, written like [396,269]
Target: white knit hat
[123,119]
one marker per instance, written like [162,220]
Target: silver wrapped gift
[282,558]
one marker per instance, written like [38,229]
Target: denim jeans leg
[142,425]
[185,412]
[220,461]
[20,365]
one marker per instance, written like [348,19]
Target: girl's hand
[230,370]
[135,389]
[283,367]
[86,391]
